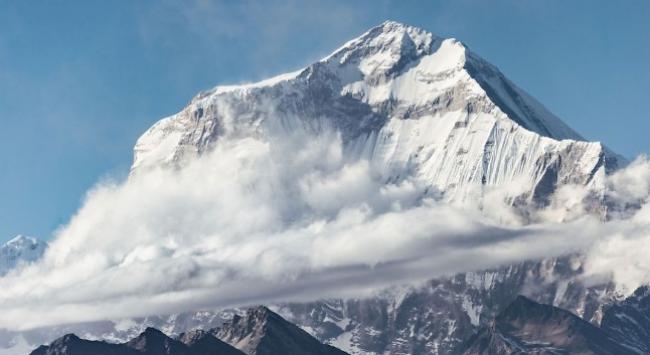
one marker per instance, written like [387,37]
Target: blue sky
[81,80]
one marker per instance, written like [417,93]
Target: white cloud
[260,221]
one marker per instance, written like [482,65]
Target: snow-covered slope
[19,250]
[414,104]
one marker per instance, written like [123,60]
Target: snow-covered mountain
[414,104]
[422,107]
[20,249]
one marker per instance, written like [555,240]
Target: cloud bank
[268,220]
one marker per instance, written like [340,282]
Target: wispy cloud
[252,29]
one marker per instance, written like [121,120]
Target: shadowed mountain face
[201,342]
[629,321]
[150,342]
[263,332]
[260,332]
[153,341]
[527,327]
[72,345]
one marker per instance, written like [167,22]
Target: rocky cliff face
[629,321]
[263,332]
[527,327]
[435,318]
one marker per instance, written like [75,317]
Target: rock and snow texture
[261,331]
[435,318]
[629,321]
[413,104]
[20,250]
[258,332]
[527,327]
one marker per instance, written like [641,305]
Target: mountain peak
[152,340]
[71,344]
[69,337]
[203,342]
[151,332]
[21,249]
[390,26]
[385,45]
[22,240]
[262,331]
[410,102]
[393,24]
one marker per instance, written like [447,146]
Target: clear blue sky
[81,80]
